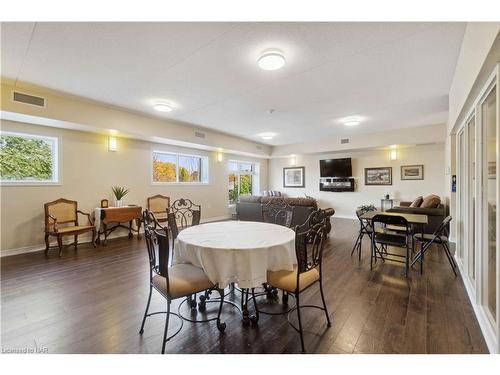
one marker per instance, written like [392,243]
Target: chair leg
[93,238]
[59,244]
[165,334]
[256,307]
[46,244]
[146,312]
[75,244]
[324,303]
[450,258]
[356,244]
[371,253]
[300,323]
[359,247]
[221,326]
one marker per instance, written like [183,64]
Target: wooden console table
[117,216]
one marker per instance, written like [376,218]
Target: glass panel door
[471,254]
[489,121]
[461,195]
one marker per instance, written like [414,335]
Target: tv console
[336,184]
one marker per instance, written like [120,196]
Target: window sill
[180,183]
[20,183]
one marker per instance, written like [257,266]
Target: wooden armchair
[61,219]
[159,205]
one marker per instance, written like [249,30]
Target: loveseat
[249,208]
[435,216]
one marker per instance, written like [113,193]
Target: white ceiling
[395,75]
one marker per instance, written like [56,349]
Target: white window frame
[204,169]
[56,180]
[255,173]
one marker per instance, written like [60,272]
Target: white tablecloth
[237,251]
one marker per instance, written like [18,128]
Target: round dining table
[237,251]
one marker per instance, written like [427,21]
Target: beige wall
[88,171]
[479,53]
[431,156]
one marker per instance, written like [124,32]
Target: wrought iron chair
[182,214]
[177,281]
[385,238]
[158,205]
[277,211]
[439,237]
[61,219]
[365,228]
[309,245]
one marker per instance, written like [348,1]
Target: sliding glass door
[490,186]
[478,192]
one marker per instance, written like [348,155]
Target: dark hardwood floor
[92,301]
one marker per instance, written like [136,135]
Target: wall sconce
[112,144]
[293,160]
[394,155]
[219,156]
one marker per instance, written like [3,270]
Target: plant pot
[118,203]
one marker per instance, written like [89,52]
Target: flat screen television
[335,167]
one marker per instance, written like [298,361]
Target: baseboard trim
[85,239]
[482,319]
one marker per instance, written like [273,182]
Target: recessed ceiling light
[351,121]
[163,107]
[267,135]
[271,59]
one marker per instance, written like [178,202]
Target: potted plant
[119,192]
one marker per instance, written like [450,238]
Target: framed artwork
[378,176]
[294,177]
[412,172]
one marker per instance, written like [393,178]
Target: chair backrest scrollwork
[309,245]
[158,246]
[182,214]
[277,211]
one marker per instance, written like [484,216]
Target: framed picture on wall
[293,177]
[378,176]
[412,172]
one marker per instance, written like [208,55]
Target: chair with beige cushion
[309,244]
[159,205]
[61,219]
[177,281]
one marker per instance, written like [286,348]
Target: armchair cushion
[287,280]
[430,201]
[75,228]
[417,202]
[184,279]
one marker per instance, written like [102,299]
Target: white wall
[345,203]
[87,173]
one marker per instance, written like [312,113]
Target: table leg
[105,228]
[130,235]
[139,222]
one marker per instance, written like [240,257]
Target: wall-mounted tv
[335,167]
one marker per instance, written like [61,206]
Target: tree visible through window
[241,177]
[28,158]
[176,168]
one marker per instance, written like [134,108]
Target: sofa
[435,215]
[249,208]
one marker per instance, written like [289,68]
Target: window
[28,159]
[173,168]
[243,179]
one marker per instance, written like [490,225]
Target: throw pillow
[431,201]
[417,202]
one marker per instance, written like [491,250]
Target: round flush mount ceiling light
[351,121]
[271,59]
[266,135]
[163,107]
